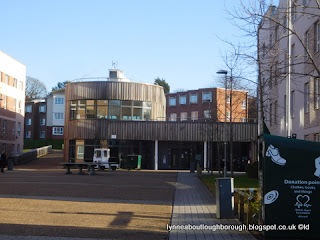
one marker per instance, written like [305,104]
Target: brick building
[12,95]
[35,119]
[207,104]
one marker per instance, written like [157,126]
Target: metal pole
[225,130]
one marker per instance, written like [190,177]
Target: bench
[80,166]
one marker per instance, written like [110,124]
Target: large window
[42,134]
[110,109]
[58,116]
[42,109]
[80,152]
[102,109]
[28,134]
[183,116]
[29,108]
[172,101]
[206,97]
[173,117]
[57,131]
[42,121]
[59,100]
[193,98]
[194,115]
[183,100]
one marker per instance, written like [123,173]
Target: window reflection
[110,109]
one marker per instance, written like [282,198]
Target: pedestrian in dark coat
[3,161]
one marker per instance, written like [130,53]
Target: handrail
[239,201]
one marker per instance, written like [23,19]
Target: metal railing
[243,204]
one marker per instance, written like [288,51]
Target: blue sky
[178,40]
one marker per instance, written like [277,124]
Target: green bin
[133,162]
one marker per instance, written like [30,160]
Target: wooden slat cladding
[159,130]
[115,90]
[108,90]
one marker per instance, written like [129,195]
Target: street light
[225,72]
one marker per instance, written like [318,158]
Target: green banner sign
[290,178]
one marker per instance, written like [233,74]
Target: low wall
[31,155]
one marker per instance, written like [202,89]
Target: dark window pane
[90,112]
[102,112]
[126,103]
[137,114]
[126,113]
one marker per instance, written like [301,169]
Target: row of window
[55,131]
[193,98]
[10,104]
[4,148]
[4,124]
[42,108]
[110,109]
[42,121]
[195,116]
[14,83]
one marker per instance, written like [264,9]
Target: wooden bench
[80,166]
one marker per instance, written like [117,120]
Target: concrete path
[194,206]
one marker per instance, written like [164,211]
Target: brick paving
[194,204]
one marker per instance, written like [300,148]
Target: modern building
[35,119]
[12,97]
[129,118]
[290,68]
[55,114]
[207,104]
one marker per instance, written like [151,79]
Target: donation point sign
[290,178]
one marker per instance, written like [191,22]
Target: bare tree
[35,89]
[282,48]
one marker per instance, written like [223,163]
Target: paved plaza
[39,201]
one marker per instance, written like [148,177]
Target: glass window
[58,116]
[73,109]
[42,134]
[183,116]
[14,128]
[29,108]
[172,101]
[228,115]
[4,129]
[193,98]
[137,114]
[147,104]
[126,103]
[90,112]
[81,113]
[28,121]
[206,97]
[194,115]
[59,100]
[244,104]
[207,114]
[173,117]
[42,109]
[306,98]
[126,113]
[80,152]
[114,109]
[19,128]
[57,131]
[28,134]
[183,99]
[146,114]
[137,103]
[42,121]
[228,99]
[102,109]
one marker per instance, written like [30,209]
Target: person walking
[3,160]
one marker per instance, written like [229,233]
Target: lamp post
[225,72]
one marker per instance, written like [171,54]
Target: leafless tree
[35,89]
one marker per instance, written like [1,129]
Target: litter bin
[10,163]
[133,162]
[224,198]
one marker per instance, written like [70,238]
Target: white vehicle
[102,157]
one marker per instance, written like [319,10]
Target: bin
[224,198]
[10,163]
[133,162]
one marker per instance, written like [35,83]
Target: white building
[56,114]
[289,69]
[12,94]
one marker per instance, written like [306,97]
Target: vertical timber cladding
[291,186]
